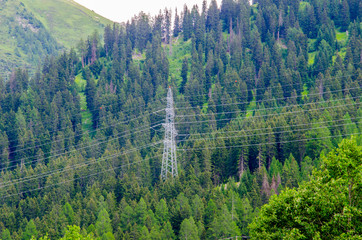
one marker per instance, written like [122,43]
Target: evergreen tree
[189,229]
[103,225]
[184,72]
[30,231]
[344,16]
[223,226]
[176,25]
[6,234]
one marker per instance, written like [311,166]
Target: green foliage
[30,231]
[328,206]
[29,32]
[223,226]
[6,235]
[70,22]
[69,213]
[103,225]
[74,232]
[189,229]
[81,139]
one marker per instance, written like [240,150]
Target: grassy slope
[341,38]
[179,51]
[8,58]
[66,20]
[86,114]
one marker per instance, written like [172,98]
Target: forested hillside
[263,94]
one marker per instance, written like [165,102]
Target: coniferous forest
[267,103]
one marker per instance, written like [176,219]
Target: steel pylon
[169,161]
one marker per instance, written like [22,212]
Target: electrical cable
[278,77]
[269,143]
[262,134]
[94,130]
[71,180]
[155,112]
[260,129]
[238,103]
[225,120]
[72,115]
[87,132]
[73,150]
[233,136]
[72,167]
[267,115]
[178,117]
[256,95]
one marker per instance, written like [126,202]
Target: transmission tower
[169,162]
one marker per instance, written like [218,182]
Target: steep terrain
[30,30]
[263,95]
[66,20]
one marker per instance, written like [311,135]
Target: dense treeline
[260,91]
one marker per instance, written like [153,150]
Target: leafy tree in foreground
[74,232]
[327,207]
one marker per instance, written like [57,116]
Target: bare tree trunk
[241,166]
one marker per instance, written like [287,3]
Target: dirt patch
[138,56]
[25,24]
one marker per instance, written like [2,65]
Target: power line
[273,143]
[289,141]
[71,180]
[255,89]
[277,77]
[18,150]
[72,167]
[216,120]
[95,130]
[267,115]
[78,135]
[265,133]
[77,149]
[262,134]
[236,238]
[37,146]
[72,115]
[261,109]
[238,103]
[270,143]
[260,129]
[97,161]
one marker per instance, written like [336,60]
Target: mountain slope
[30,30]
[66,20]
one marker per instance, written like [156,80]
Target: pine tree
[188,229]
[30,231]
[176,25]
[184,72]
[162,213]
[344,16]
[6,234]
[103,224]
[223,226]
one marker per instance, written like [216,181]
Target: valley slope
[30,30]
